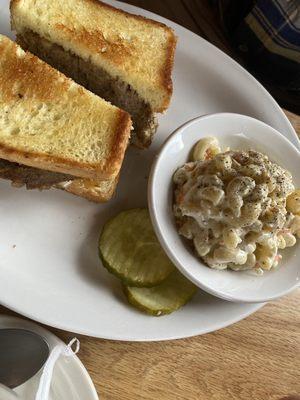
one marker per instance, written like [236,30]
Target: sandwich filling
[97,81]
[32,178]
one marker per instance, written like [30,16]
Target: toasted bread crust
[36,78]
[78,169]
[126,13]
[38,82]
[32,178]
[166,71]
[114,53]
[95,40]
[98,192]
[120,145]
[49,163]
[166,76]
[98,81]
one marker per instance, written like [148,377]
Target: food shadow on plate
[134,174]
[88,263]
[90,267]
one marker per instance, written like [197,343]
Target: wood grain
[294,119]
[255,359]
[258,358]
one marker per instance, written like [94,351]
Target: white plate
[238,132]
[70,379]
[53,274]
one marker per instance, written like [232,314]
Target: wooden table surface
[255,359]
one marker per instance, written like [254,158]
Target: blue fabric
[283,19]
[267,35]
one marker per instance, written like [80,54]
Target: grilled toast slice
[50,123]
[124,58]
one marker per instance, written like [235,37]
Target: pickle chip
[171,294]
[130,250]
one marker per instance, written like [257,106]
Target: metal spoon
[22,355]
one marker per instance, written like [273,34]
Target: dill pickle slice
[173,293]
[130,250]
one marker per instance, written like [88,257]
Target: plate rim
[292,134]
[250,311]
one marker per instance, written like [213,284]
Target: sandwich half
[55,133]
[124,58]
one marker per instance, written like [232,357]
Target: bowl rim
[156,225]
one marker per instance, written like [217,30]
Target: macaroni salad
[237,207]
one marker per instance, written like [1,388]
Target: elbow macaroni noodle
[237,207]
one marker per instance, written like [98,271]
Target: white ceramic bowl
[238,132]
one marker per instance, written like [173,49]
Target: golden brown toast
[98,192]
[124,58]
[49,122]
